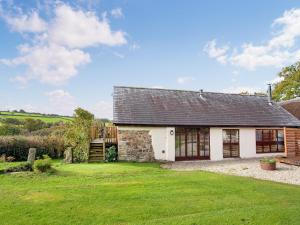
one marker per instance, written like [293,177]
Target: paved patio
[241,167]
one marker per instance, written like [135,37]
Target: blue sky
[57,55]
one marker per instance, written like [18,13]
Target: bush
[19,168]
[34,124]
[266,160]
[8,129]
[78,134]
[42,165]
[18,146]
[111,154]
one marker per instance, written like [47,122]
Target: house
[292,106]
[173,125]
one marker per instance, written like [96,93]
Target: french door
[192,143]
[231,143]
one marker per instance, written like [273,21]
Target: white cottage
[172,125]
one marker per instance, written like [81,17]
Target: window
[269,140]
[231,144]
[191,143]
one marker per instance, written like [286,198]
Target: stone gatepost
[68,155]
[31,155]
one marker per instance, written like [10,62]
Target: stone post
[68,155]
[31,155]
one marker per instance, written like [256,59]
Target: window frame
[231,143]
[267,143]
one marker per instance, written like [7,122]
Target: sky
[59,55]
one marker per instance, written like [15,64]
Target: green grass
[45,118]
[5,165]
[136,193]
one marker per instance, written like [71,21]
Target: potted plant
[268,164]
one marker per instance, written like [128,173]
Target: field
[45,118]
[143,193]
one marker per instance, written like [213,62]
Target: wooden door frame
[230,144]
[198,157]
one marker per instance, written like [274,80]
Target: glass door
[231,143]
[191,143]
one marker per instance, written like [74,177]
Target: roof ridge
[169,89]
[296,99]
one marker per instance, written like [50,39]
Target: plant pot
[268,165]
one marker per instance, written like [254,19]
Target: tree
[78,134]
[289,86]
[33,125]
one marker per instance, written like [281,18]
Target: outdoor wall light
[171,132]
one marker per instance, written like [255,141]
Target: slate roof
[162,107]
[293,106]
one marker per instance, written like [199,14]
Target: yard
[143,193]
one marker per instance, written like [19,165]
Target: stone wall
[135,145]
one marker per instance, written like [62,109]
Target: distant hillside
[44,117]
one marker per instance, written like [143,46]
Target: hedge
[18,146]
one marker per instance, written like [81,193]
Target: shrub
[8,129]
[266,160]
[12,121]
[18,146]
[19,168]
[42,165]
[34,124]
[78,134]
[10,159]
[111,154]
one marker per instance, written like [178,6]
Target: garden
[142,193]
[38,186]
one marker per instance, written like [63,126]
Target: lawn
[137,193]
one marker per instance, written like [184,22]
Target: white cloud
[235,72]
[116,13]
[135,46]
[119,55]
[241,89]
[54,54]
[185,80]
[60,102]
[102,109]
[26,23]
[216,53]
[79,29]
[52,64]
[280,50]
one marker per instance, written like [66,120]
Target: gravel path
[241,167]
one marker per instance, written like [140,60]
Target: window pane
[230,143]
[268,140]
[258,135]
[195,142]
[182,149]
[226,136]
[234,136]
[177,144]
[189,143]
[280,135]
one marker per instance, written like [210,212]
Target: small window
[231,145]
[269,140]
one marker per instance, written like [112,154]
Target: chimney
[269,94]
[201,94]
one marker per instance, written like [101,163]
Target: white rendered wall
[247,144]
[163,142]
[216,144]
